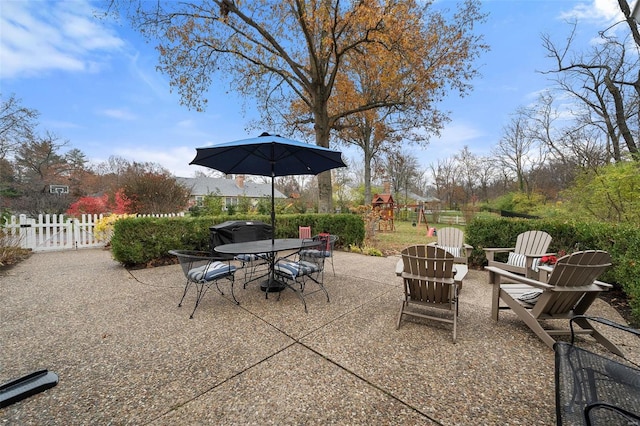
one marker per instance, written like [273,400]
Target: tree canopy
[300,59]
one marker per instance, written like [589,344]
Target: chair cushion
[251,257]
[314,253]
[517,259]
[535,264]
[295,269]
[210,271]
[456,251]
[520,260]
[530,297]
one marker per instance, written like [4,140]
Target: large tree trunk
[621,118]
[325,193]
[367,177]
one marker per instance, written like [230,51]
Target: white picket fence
[54,232]
[452,220]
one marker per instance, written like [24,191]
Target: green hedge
[144,240]
[622,241]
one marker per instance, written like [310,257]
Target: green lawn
[405,234]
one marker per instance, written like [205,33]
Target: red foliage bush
[88,205]
[121,204]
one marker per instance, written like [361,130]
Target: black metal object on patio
[237,231]
[26,386]
[592,389]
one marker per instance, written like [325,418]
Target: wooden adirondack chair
[452,241]
[569,291]
[530,245]
[428,282]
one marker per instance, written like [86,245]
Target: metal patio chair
[304,266]
[203,270]
[329,241]
[592,389]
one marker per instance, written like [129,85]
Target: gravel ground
[125,352]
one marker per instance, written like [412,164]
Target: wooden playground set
[385,206]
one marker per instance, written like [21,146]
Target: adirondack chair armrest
[421,277]
[607,286]
[464,245]
[538,256]
[497,273]
[581,288]
[490,252]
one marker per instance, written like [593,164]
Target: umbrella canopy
[268,155]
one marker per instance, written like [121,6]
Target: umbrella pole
[273,199]
[273,213]
[272,274]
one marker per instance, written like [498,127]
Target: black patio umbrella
[268,155]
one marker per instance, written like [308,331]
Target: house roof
[421,199]
[228,187]
[382,199]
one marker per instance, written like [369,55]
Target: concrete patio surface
[126,354]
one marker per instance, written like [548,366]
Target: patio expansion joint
[217,385]
[370,383]
[321,326]
[299,341]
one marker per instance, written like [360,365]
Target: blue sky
[95,83]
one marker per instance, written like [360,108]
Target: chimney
[387,187]
[240,181]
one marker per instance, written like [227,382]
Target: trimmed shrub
[140,241]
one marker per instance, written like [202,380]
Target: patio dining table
[270,248]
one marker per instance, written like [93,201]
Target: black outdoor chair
[309,266]
[203,270]
[592,389]
[329,241]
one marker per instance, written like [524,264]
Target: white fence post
[27,232]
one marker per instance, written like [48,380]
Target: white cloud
[452,140]
[141,66]
[176,159]
[43,36]
[459,134]
[118,114]
[595,11]
[58,124]
[186,124]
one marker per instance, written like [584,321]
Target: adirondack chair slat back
[579,269]
[532,242]
[434,268]
[450,237]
